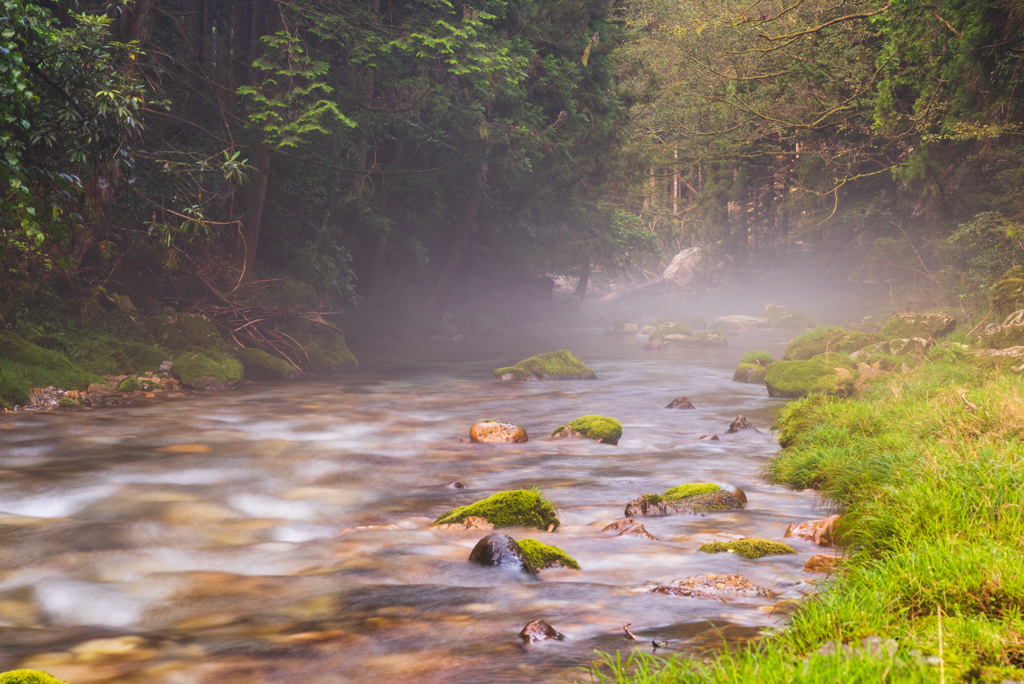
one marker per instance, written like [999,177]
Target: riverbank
[925,467]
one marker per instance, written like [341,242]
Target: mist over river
[278,533]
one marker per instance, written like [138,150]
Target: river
[278,533]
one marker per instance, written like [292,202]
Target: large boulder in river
[538,630]
[214,370]
[557,365]
[739,322]
[493,431]
[794,379]
[515,508]
[685,270]
[596,428]
[924,325]
[500,549]
[706,497]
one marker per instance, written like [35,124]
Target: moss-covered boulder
[493,431]
[543,556]
[1007,294]
[1008,334]
[740,322]
[329,352]
[216,371]
[516,508]
[788,319]
[177,330]
[750,373]
[828,339]
[622,327]
[130,384]
[259,365]
[911,325]
[28,677]
[748,548]
[673,334]
[597,428]
[24,365]
[802,378]
[704,497]
[557,365]
[501,549]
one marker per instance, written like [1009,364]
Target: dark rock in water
[680,403]
[714,587]
[457,485]
[741,423]
[538,630]
[711,436]
[653,505]
[720,500]
[627,527]
[500,549]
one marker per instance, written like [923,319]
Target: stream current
[278,533]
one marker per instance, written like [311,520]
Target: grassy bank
[926,468]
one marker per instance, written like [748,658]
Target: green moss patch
[803,378]
[258,364]
[598,428]
[557,365]
[542,555]
[130,385]
[516,508]
[761,358]
[329,353]
[28,677]
[827,339]
[749,548]
[196,370]
[750,373]
[684,491]
[24,365]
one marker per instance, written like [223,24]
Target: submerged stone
[493,431]
[680,403]
[711,586]
[749,548]
[627,527]
[597,428]
[538,630]
[500,549]
[515,508]
[557,365]
[741,423]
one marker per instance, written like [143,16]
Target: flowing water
[279,533]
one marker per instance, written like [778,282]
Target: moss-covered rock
[683,491]
[911,325]
[329,353]
[672,334]
[218,371]
[802,378]
[68,403]
[543,556]
[516,508]
[709,501]
[788,319]
[750,373]
[177,330]
[622,327]
[130,384]
[748,548]
[28,677]
[1008,334]
[827,339]
[557,365]
[259,365]
[598,428]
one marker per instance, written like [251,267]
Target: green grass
[761,358]
[931,491]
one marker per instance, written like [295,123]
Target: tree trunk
[462,239]
[252,215]
[581,287]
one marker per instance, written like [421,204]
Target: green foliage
[543,556]
[516,508]
[28,677]
[598,428]
[761,358]
[748,548]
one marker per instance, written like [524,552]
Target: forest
[197,193]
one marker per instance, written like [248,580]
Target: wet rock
[515,508]
[821,562]
[712,436]
[500,549]
[650,505]
[538,630]
[740,323]
[680,403]
[741,423]
[711,586]
[492,431]
[457,485]
[627,527]
[558,365]
[622,327]
[711,502]
[817,531]
[597,428]
[927,325]
[748,548]
[471,523]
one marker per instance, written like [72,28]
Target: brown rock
[500,549]
[712,436]
[642,506]
[822,562]
[538,630]
[627,527]
[712,587]
[492,431]
[818,531]
[741,423]
[680,403]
